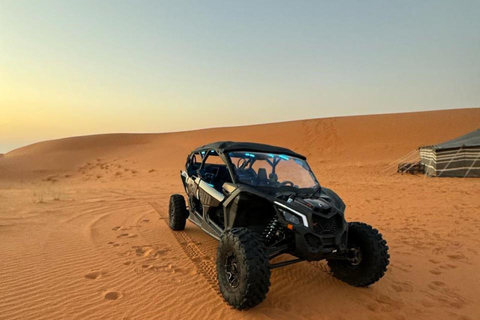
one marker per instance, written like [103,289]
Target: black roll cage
[205,153]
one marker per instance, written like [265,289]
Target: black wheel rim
[232,271]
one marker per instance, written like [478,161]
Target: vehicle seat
[223,176]
[262,174]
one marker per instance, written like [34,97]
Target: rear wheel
[368,257]
[177,212]
[242,268]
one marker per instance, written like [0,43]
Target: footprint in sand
[405,286]
[174,269]
[456,256]
[170,268]
[388,304]
[143,251]
[126,253]
[187,243]
[397,288]
[112,295]
[150,252]
[116,228]
[384,303]
[439,283]
[94,275]
[127,235]
[435,272]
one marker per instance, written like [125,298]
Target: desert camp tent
[459,157]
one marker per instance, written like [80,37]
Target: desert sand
[83,233]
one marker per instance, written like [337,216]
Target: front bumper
[324,235]
[311,246]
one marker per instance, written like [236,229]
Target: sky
[72,68]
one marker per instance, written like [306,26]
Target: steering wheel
[241,163]
[287,183]
[209,177]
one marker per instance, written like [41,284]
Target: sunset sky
[83,67]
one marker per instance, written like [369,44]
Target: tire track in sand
[204,263]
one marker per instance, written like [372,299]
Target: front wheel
[243,270]
[367,258]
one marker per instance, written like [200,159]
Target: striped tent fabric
[459,157]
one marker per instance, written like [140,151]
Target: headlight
[290,217]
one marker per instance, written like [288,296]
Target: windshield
[272,170]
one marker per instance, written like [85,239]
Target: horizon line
[238,126]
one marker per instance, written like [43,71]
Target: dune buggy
[261,201]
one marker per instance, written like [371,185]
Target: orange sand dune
[83,232]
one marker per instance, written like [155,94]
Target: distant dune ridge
[83,232]
[363,138]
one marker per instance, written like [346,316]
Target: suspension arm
[285,263]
